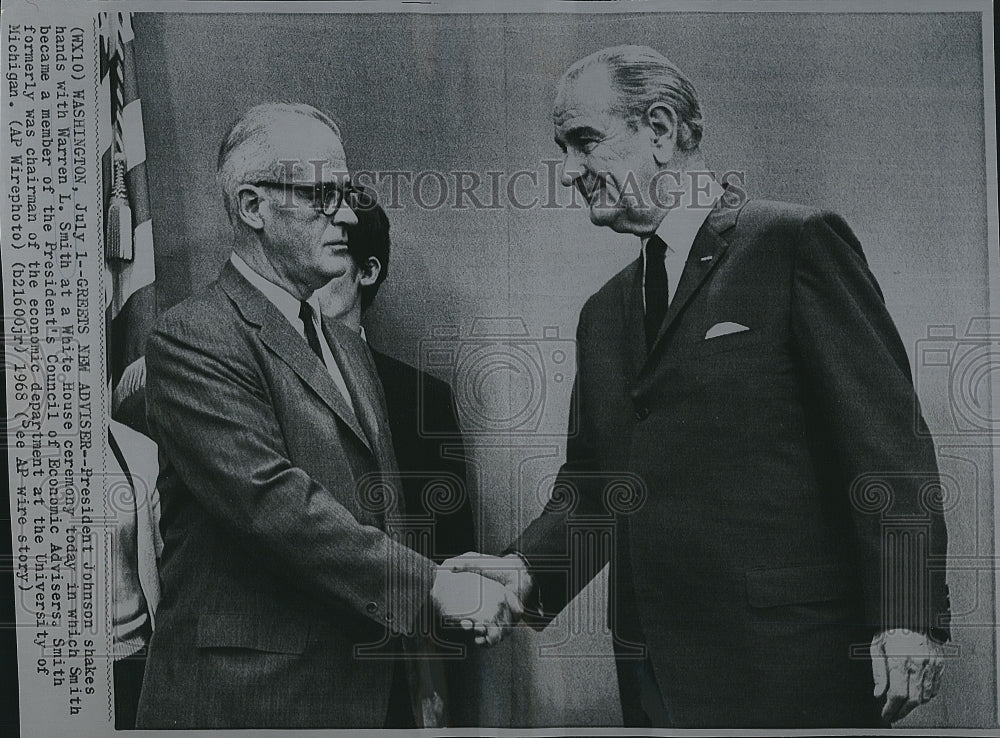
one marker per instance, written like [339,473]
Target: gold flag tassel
[119,244]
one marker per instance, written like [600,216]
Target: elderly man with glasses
[288,596]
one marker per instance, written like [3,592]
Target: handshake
[481,593]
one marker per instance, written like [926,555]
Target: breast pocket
[727,342]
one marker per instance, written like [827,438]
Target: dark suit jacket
[430,453]
[777,475]
[275,565]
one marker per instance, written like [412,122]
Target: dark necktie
[655,287]
[306,316]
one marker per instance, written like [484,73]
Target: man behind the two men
[428,444]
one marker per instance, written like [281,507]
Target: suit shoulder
[207,315]
[775,215]
[781,227]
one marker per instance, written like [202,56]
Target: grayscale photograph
[622,366]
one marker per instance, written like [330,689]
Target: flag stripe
[105,92]
[130,87]
[137,186]
[104,36]
[141,271]
[130,328]
[133,139]
[125,32]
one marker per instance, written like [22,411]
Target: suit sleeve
[857,380]
[561,557]
[210,410]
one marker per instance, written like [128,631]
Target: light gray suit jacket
[276,565]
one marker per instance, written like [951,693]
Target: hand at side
[907,669]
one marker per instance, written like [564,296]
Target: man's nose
[345,216]
[570,169]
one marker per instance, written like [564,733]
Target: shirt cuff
[532,600]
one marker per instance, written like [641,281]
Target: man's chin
[609,218]
[603,216]
[334,275]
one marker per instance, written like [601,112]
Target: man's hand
[907,668]
[509,570]
[476,603]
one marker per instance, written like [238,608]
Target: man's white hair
[642,76]
[246,155]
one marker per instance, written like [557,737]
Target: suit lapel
[350,352]
[281,338]
[705,255]
[361,376]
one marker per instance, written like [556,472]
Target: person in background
[136,542]
[425,433]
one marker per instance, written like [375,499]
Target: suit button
[372,607]
[388,617]
[641,413]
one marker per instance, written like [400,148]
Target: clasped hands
[481,593]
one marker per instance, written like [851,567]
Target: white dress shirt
[678,231]
[288,305]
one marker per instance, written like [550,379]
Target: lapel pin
[706,258]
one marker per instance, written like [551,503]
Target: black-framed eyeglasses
[326,197]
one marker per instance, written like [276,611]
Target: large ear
[370,271]
[249,205]
[663,124]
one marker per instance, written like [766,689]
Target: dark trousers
[400,711]
[848,702]
[642,700]
[128,674]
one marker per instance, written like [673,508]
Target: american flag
[130,295]
[131,298]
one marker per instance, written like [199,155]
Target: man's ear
[370,271]
[663,124]
[249,205]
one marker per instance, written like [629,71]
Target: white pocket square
[724,329]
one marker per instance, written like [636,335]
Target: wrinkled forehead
[306,150]
[587,93]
